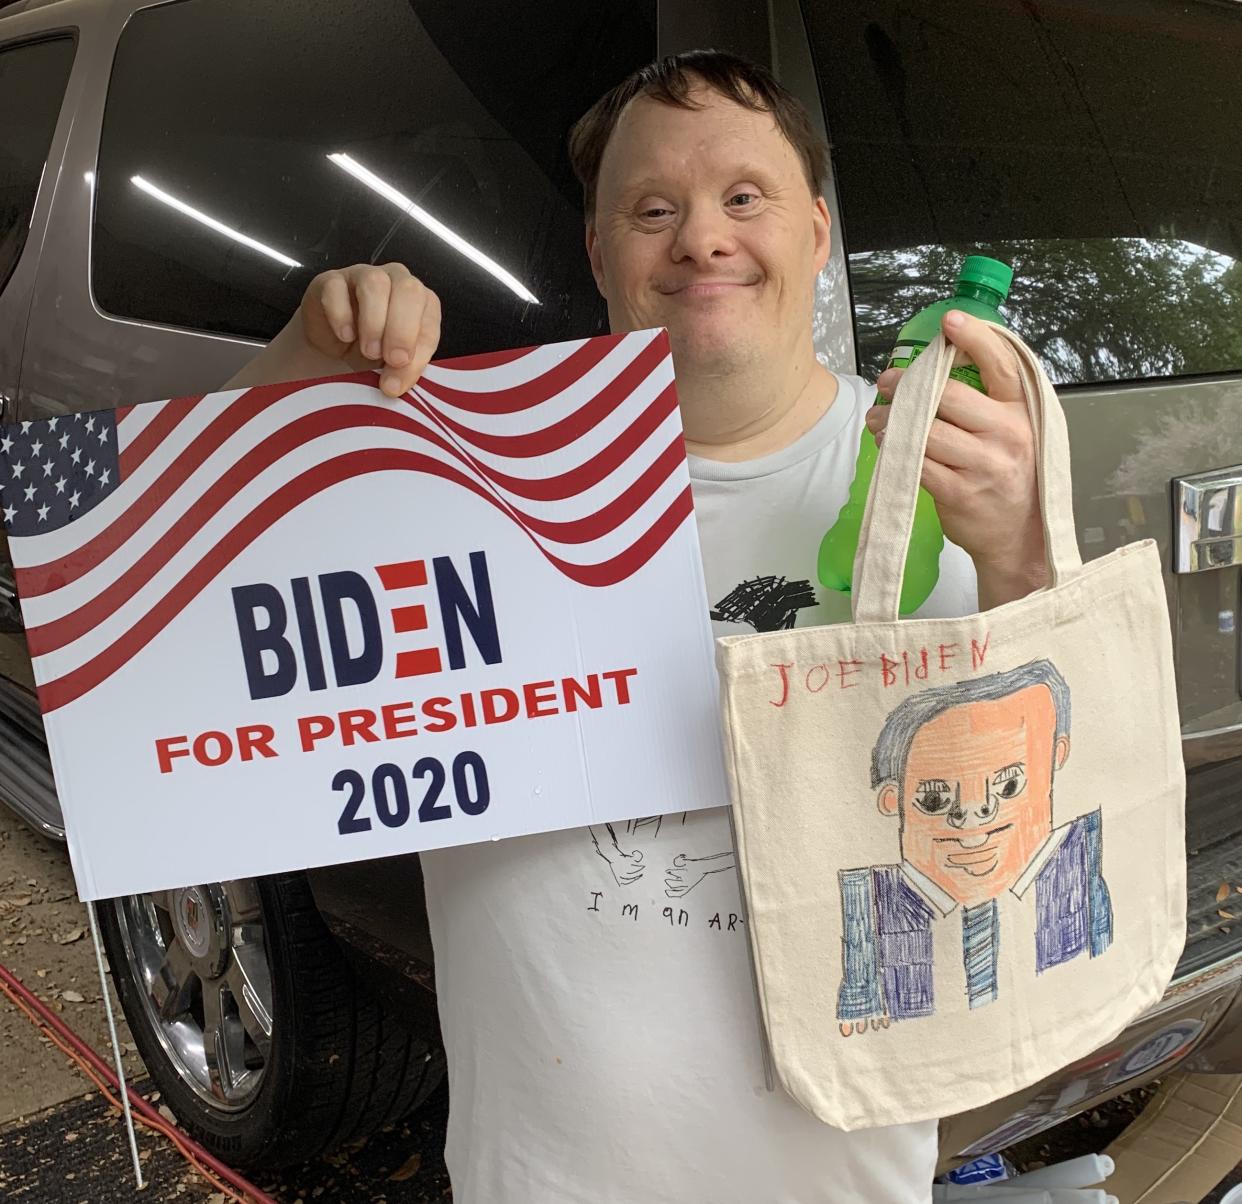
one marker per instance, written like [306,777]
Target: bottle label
[906,352]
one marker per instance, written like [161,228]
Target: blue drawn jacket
[887,924]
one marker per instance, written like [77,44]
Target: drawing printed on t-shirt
[622,847]
[968,772]
[765,603]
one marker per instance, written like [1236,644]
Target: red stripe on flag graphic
[156,431]
[573,426]
[530,393]
[486,359]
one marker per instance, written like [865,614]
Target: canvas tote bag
[960,841]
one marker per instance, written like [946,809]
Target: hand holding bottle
[979,484]
[980,464]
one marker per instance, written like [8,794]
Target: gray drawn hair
[892,749]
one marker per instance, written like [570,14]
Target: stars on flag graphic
[56,470]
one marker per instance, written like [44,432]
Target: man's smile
[978,855]
[706,286]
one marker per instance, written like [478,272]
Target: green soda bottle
[982,287]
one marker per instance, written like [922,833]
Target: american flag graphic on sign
[119,519]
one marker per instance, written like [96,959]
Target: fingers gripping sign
[980,465]
[381,318]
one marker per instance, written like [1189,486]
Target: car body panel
[79,357]
[17,293]
[1129,444]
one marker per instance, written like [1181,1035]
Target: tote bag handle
[879,563]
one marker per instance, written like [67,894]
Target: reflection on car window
[32,86]
[1093,147]
[327,133]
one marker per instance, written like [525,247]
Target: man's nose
[973,808]
[703,234]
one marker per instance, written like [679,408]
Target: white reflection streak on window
[212,223]
[437,227]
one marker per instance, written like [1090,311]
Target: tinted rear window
[231,109]
[1093,146]
[32,86]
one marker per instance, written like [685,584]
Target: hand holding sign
[374,317]
[380,318]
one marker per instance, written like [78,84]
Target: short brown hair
[671,80]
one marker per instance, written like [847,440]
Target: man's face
[704,223]
[976,802]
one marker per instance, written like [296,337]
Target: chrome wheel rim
[199,956]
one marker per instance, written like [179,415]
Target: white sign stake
[116,1045]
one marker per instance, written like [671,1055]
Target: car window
[32,85]
[1092,146]
[249,144]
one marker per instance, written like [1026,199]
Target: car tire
[252,1024]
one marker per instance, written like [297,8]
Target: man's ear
[889,800]
[596,258]
[1060,754]
[822,225]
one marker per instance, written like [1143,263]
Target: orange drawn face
[976,800]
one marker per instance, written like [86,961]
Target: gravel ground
[77,1153]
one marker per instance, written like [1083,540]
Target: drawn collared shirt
[889,914]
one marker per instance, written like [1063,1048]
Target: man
[968,770]
[602,1050]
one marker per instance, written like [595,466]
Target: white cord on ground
[116,1045]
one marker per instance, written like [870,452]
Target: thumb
[979,343]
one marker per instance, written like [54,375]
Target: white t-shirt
[594,985]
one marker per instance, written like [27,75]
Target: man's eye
[933,798]
[1009,782]
[653,214]
[739,200]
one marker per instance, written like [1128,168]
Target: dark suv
[166,193]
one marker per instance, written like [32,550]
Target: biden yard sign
[305,623]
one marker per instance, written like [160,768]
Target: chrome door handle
[1208,518]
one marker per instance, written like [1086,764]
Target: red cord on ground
[14,986]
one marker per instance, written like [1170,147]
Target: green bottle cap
[991,273]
